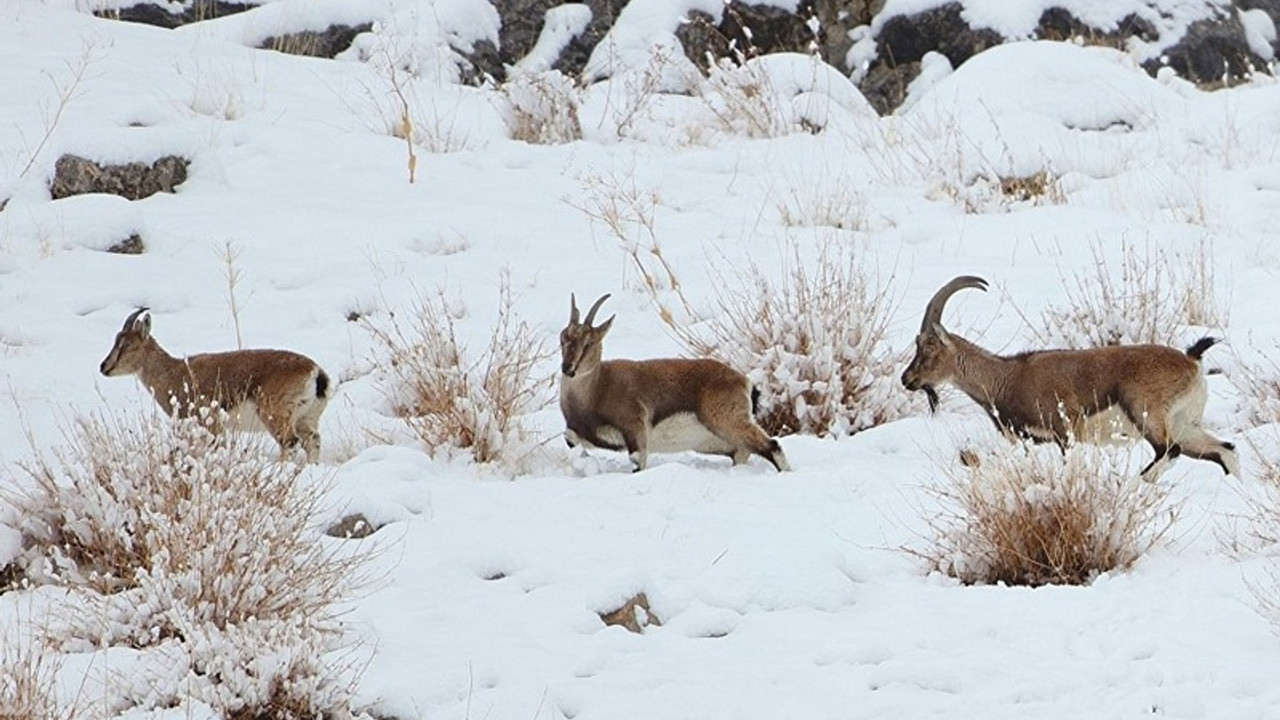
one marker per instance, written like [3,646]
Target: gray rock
[309,43]
[74,175]
[175,14]
[1212,53]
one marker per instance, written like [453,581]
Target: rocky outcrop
[1212,53]
[175,14]
[310,43]
[74,175]
[522,24]
[745,31]
[163,13]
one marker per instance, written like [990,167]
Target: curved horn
[573,310]
[128,323]
[933,311]
[591,314]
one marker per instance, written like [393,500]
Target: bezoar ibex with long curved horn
[278,391]
[660,405]
[1149,391]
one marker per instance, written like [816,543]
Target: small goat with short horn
[278,391]
[664,405]
[1152,391]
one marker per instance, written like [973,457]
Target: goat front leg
[636,436]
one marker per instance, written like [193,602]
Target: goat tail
[322,385]
[1197,350]
[755,401]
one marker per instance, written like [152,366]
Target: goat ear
[942,334]
[603,327]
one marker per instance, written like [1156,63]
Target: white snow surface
[780,595]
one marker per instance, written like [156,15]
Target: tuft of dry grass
[28,683]
[1257,530]
[199,549]
[1148,296]
[452,399]
[542,108]
[740,94]
[1039,188]
[813,340]
[1258,385]
[140,501]
[1037,516]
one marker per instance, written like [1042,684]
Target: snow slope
[780,595]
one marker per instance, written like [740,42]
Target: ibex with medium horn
[663,405]
[1152,391]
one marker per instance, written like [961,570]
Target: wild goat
[1151,391]
[278,391]
[665,405]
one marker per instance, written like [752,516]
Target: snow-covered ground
[780,595]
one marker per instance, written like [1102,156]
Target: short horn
[933,311]
[591,314]
[128,323]
[573,310]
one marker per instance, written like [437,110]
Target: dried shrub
[821,201]
[1257,530]
[813,341]
[1258,384]
[199,548]
[1035,516]
[454,400]
[741,96]
[28,683]
[1149,296]
[542,108]
[1039,188]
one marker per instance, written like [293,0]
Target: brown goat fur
[1152,391]
[278,391]
[662,405]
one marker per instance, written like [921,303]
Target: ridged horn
[591,314]
[933,311]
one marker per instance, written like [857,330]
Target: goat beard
[932,395]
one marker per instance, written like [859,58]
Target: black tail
[1197,350]
[755,401]
[322,384]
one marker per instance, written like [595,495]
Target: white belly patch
[677,433]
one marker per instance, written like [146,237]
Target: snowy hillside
[307,221]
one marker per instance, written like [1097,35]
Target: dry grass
[741,96]
[140,501]
[823,200]
[200,550]
[811,338]
[28,687]
[542,108]
[1258,386]
[1257,530]
[453,400]
[1148,296]
[1030,516]
[1039,188]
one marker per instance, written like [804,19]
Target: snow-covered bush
[742,98]
[28,688]
[1148,296]
[452,399]
[813,342]
[1034,516]
[1257,382]
[542,107]
[170,537]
